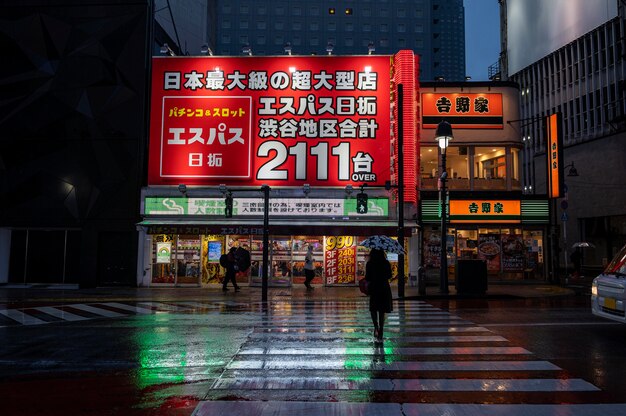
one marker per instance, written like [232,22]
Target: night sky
[482,37]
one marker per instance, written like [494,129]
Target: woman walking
[378,274]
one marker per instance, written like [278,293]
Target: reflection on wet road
[295,356]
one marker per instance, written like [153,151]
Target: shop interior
[193,260]
[510,253]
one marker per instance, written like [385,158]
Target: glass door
[280,261]
[163,260]
[188,260]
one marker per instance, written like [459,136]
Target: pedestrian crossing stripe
[289,408]
[383,384]
[39,315]
[419,314]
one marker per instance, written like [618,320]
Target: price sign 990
[339,242]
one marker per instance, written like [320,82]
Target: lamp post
[443,135]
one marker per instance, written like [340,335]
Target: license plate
[609,303]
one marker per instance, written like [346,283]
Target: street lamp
[443,135]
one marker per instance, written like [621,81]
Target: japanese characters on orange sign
[497,211]
[554,155]
[463,111]
[340,260]
[281,121]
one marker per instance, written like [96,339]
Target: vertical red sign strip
[406,70]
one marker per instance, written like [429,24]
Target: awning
[276,227]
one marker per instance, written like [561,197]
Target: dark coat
[378,275]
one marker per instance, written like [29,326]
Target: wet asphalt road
[98,353]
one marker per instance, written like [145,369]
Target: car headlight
[594,289]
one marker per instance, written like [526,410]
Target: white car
[607,292]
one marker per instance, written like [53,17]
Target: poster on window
[340,260]
[164,252]
[513,253]
[489,250]
[211,252]
[432,249]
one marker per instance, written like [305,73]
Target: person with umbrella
[231,270]
[378,274]
[576,259]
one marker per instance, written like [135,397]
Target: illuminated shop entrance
[183,260]
[508,235]
[510,253]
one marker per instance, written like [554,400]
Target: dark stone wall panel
[72,102]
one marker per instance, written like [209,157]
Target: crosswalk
[315,358]
[312,358]
[39,315]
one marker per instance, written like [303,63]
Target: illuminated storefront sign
[281,121]
[501,211]
[318,207]
[554,155]
[488,211]
[463,111]
[340,260]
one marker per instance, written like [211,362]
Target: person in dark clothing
[231,270]
[309,268]
[576,258]
[378,274]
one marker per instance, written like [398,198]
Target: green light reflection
[175,355]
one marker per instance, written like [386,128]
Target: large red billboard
[281,121]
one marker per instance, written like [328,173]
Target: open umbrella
[583,244]
[382,242]
[242,257]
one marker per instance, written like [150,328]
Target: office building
[569,57]
[433,29]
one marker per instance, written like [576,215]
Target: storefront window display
[163,264]
[432,250]
[194,260]
[513,251]
[534,256]
[489,248]
[301,244]
[510,253]
[340,260]
[188,259]
[212,249]
[176,259]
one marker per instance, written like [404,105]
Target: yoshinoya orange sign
[496,211]
[281,121]
[464,111]
[554,155]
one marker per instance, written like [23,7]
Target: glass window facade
[179,260]
[510,253]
